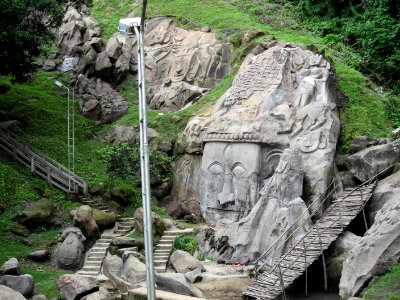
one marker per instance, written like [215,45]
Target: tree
[25,27]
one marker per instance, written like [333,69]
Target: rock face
[375,252]
[282,103]
[75,287]
[183,262]
[369,162]
[23,283]
[181,65]
[386,190]
[70,254]
[8,293]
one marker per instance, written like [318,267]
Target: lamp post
[129,27]
[70,134]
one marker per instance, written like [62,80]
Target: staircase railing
[268,256]
[56,174]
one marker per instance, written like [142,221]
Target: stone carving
[278,119]
[70,254]
[180,63]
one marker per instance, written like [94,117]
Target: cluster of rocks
[17,286]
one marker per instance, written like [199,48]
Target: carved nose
[226,196]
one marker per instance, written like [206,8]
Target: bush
[187,243]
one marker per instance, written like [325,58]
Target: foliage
[370,27]
[386,287]
[187,243]
[25,25]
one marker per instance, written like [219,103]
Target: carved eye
[238,170]
[215,168]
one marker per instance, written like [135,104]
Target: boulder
[70,253]
[84,220]
[395,134]
[103,65]
[132,269]
[121,195]
[375,252]
[112,265]
[10,267]
[122,133]
[373,160]
[386,190]
[102,294]
[97,189]
[340,249]
[75,287]
[10,294]
[39,297]
[49,65]
[39,255]
[23,284]
[104,219]
[38,213]
[177,283]
[157,222]
[184,262]
[194,276]
[360,143]
[177,210]
[348,180]
[162,190]
[92,109]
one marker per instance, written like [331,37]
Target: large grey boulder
[8,293]
[177,283]
[70,253]
[386,190]
[39,255]
[373,160]
[374,253]
[103,65]
[102,294]
[184,262]
[23,284]
[75,287]
[122,133]
[10,267]
[112,265]
[104,219]
[340,249]
[38,213]
[132,269]
[360,143]
[84,220]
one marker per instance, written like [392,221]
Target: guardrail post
[339,204]
[306,267]
[33,163]
[282,282]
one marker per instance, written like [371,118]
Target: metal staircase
[56,174]
[275,272]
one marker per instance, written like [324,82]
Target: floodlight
[127,26]
[59,84]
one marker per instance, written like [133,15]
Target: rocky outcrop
[386,190]
[282,102]
[75,287]
[183,262]
[375,252]
[373,160]
[71,252]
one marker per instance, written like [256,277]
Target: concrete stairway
[94,203]
[96,254]
[164,247]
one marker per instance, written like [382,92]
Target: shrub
[187,243]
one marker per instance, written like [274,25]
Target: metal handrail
[257,269]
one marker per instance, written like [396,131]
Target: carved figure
[70,253]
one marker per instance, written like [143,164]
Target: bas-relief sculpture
[71,252]
[280,104]
[180,64]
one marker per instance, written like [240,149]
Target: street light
[129,27]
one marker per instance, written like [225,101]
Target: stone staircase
[96,254]
[274,275]
[164,248]
[94,203]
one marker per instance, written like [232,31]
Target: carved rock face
[70,253]
[230,180]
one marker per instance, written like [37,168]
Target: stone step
[160,269]
[165,242]
[162,251]
[87,274]
[160,257]
[98,250]
[90,269]
[96,254]
[160,263]
[126,219]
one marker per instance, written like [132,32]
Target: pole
[144,163]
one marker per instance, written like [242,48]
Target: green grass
[386,287]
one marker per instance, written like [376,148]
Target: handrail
[257,269]
[14,143]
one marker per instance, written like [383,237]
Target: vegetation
[25,30]
[386,287]
[187,243]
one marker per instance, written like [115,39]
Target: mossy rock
[122,195]
[104,219]
[37,214]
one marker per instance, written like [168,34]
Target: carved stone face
[180,67]
[230,180]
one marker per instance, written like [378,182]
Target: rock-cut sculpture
[279,118]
